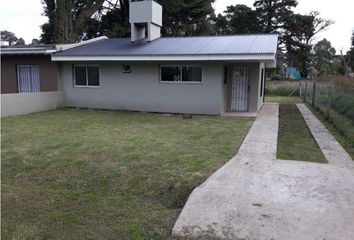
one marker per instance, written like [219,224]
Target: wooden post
[314,92]
[300,90]
[305,90]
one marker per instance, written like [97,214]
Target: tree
[11,38]
[221,25]
[241,19]
[186,17]
[350,54]
[20,42]
[67,19]
[272,13]
[35,41]
[112,21]
[73,20]
[180,18]
[300,30]
[322,56]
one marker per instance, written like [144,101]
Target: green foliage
[350,54]
[186,17]
[35,41]
[322,56]
[300,31]
[272,13]
[241,19]
[268,17]
[344,104]
[295,141]
[70,21]
[283,88]
[11,38]
[222,26]
[67,19]
[113,23]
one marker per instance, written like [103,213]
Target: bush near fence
[282,88]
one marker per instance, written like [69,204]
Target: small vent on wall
[126,68]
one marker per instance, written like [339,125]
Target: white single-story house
[150,73]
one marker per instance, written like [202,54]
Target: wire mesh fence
[334,97]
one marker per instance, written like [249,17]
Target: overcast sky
[23,17]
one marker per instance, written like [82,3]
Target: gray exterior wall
[141,90]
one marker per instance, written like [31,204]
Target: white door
[240,90]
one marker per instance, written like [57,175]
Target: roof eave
[208,57]
[27,52]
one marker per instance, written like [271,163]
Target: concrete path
[254,196]
[333,151]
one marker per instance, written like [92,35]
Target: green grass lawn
[86,174]
[295,141]
[283,100]
[346,143]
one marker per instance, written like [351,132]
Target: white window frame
[180,66]
[18,77]
[86,65]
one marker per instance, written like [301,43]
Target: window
[28,78]
[86,76]
[126,68]
[177,73]
[225,75]
[262,83]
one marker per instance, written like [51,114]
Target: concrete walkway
[333,151]
[254,196]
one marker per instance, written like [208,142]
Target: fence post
[314,92]
[305,90]
[300,89]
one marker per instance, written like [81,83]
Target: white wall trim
[260,57]
[62,47]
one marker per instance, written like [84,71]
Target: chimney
[145,14]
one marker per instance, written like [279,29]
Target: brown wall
[48,72]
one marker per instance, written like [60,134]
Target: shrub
[283,88]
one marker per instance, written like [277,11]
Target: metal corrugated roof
[238,44]
[27,49]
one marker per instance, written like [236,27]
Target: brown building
[28,69]
[30,79]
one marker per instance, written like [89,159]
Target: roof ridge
[212,36]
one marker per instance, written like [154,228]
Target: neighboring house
[23,67]
[292,73]
[30,79]
[4,43]
[198,75]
